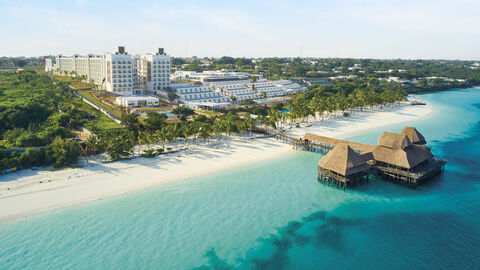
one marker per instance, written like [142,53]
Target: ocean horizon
[276,215]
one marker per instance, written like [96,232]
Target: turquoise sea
[275,215]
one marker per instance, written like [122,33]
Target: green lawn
[113,111]
[101,122]
[150,109]
[75,84]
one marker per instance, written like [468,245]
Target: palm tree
[92,143]
[204,131]
[162,135]
[249,122]
[218,127]
[186,129]
[274,115]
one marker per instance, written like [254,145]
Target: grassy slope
[10,96]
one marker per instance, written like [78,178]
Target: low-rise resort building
[137,101]
[201,97]
[398,157]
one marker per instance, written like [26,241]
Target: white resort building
[199,96]
[238,90]
[239,84]
[154,72]
[119,72]
[137,101]
[92,66]
[210,76]
[276,88]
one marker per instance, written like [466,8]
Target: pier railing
[315,143]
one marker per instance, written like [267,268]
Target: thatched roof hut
[413,135]
[397,150]
[344,160]
[394,140]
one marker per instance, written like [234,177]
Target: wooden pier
[316,141]
[400,158]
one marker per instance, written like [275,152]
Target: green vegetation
[343,96]
[92,98]
[149,153]
[77,82]
[62,152]
[183,112]
[118,144]
[36,111]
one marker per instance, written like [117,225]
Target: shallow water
[275,215]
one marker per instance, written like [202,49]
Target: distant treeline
[21,62]
[327,67]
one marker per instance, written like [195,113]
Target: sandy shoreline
[30,192]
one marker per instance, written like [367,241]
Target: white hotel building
[92,66]
[119,72]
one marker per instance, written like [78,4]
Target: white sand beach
[29,192]
[359,122]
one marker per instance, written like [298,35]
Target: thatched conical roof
[394,140]
[344,160]
[397,149]
[414,136]
[407,158]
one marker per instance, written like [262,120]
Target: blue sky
[361,29]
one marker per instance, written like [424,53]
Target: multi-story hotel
[155,72]
[92,66]
[119,72]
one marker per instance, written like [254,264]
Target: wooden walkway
[297,143]
[279,133]
[322,141]
[315,143]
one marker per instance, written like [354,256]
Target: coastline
[31,192]
[361,122]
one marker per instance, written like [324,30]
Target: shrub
[28,139]
[149,153]
[51,133]
[59,119]
[118,144]
[259,111]
[12,134]
[152,152]
[32,157]
[278,106]
[63,152]
[9,161]
[159,151]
